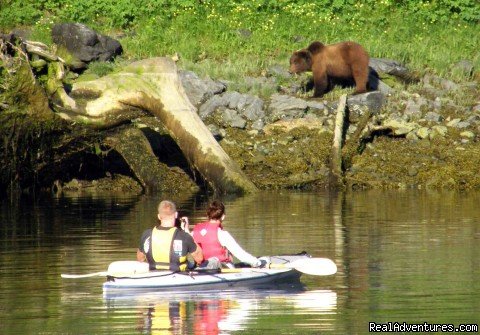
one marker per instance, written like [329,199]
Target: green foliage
[127,13]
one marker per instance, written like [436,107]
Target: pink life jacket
[206,235]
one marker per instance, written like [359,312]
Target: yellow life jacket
[162,248]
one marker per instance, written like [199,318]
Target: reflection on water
[215,312]
[401,255]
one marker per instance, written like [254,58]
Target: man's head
[167,213]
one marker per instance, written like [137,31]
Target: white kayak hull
[227,279]
[165,280]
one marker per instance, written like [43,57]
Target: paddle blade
[116,269]
[310,266]
[127,268]
[87,275]
[315,266]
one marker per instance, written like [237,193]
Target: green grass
[238,39]
[215,47]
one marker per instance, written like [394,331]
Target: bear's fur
[344,62]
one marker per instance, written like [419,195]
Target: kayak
[210,279]
[196,280]
[128,276]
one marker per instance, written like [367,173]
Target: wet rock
[84,43]
[286,107]
[198,90]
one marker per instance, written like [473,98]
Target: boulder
[84,43]
[200,90]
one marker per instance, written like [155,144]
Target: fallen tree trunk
[153,85]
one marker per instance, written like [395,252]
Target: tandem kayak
[281,270]
[126,276]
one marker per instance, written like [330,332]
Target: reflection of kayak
[197,280]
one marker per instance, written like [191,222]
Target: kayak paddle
[310,266]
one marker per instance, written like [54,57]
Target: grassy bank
[243,38]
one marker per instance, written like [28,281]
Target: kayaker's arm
[235,249]
[197,255]
[141,257]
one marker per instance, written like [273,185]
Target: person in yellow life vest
[165,246]
[217,244]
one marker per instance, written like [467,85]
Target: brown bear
[331,64]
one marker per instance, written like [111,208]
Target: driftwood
[336,156]
[151,86]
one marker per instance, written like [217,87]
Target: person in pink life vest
[218,245]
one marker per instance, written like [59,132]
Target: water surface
[403,256]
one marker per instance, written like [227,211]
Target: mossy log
[153,86]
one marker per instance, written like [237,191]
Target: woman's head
[216,210]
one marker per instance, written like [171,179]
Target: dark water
[403,256]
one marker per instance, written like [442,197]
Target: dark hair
[215,210]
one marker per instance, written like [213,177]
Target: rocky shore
[423,131]
[408,131]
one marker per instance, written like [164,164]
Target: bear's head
[301,61]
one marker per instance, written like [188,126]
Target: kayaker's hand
[262,263]
[184,224]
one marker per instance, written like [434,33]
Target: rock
[198,90]
[84,43]
[400,127]
[230,118]
[464,67]
[248,106]
[286,107]
[468,134]
[278,71]
[392,67]
[413,107]
[215,131]
[315,106]
[254,111]
[374,101]
[438,130]
[445,84]
[423,132]
[210,106]
[434,117]
[288,125]
[258,125]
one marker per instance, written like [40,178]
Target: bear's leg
[360,75]
[321,85]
